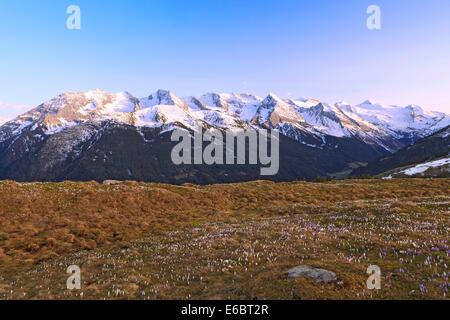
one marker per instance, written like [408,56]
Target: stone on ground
[111,182]
[321,275]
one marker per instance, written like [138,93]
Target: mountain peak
[97,91]
[97,94]
[163,97]
[367,102]
[271,101]
[414,107]
[273,96]
[214,99]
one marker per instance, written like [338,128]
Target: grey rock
[111,182]
[321,275]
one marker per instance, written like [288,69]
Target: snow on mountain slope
[369,122]
[429,148]
[59,147]
[162,97]
[402,119]
[304,102]
[420,168]
[195,104]
[243,106]
[334,121]
[69,109]
[273,111]
[3,120]
[443,166]
[160,115]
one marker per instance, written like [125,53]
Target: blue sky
[319,49]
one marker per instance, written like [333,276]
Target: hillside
[433,147]
[438,168]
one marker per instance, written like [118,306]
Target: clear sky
[294,48]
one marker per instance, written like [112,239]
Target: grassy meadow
[231,241]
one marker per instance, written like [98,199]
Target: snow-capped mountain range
[369,121]
[99,135]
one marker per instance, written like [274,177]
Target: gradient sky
[319,49]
